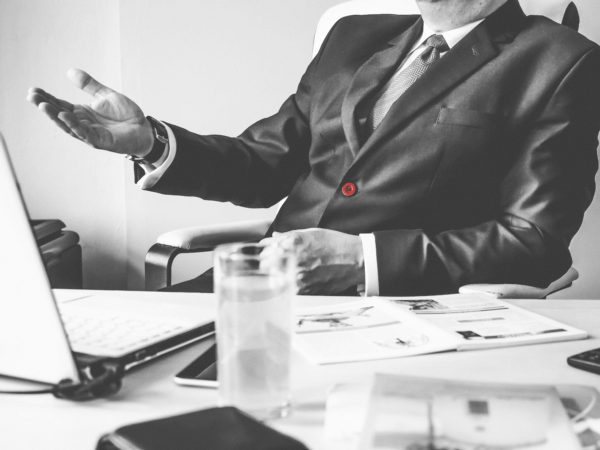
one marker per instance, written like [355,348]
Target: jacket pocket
[467,118]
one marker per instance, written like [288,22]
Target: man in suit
[419,153]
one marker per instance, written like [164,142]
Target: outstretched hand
[111,122]
[329,262]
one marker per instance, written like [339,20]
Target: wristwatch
[161,139]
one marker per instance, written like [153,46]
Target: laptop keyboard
[114,335]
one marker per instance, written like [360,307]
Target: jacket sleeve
[543,197]
[256,169]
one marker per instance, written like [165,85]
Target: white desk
[43,422]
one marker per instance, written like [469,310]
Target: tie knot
[438,42]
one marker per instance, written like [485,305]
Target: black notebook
[210,429]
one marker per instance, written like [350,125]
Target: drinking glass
[255,285]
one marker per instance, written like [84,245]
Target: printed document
[385,327]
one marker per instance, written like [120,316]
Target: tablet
[202,371]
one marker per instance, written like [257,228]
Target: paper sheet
[365,331]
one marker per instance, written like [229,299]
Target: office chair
[160,256]
[61,253]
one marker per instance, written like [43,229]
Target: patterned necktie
[403,79]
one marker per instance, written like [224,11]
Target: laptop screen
[33,343]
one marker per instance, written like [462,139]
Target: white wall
[60,177]
[210,66]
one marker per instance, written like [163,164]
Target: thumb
[86,82]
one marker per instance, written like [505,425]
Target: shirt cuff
[370,258]
[153,174]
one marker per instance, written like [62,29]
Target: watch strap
[161,139]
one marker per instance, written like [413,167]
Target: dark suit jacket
[481,171]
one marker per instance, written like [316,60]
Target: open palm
[111,122]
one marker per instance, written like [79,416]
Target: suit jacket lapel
[472,52]
[371,75]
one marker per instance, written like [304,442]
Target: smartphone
[588,360]
[202,371]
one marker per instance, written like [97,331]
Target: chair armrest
[46,230]
[159,259]
[60,243]
[208,237]
[521,290]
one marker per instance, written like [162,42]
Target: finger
[80,130]
[271,255]
[270,249]
[36,98]
[39,94]
[58,101]
[52,114]
[290,240]
[87,83]
[308,262]
[267,241]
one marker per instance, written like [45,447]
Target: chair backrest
[561,11]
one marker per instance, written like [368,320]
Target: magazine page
[366,330]
[484,322]
[423,414]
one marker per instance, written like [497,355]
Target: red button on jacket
[349,189]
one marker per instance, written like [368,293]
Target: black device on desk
[588,360]
[202,371]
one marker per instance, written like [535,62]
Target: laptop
[48,341]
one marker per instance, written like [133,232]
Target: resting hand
[111,122]
[329,262]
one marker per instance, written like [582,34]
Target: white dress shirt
[155,172]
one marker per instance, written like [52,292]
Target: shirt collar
[452,37]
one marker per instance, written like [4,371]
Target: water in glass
[254,342]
